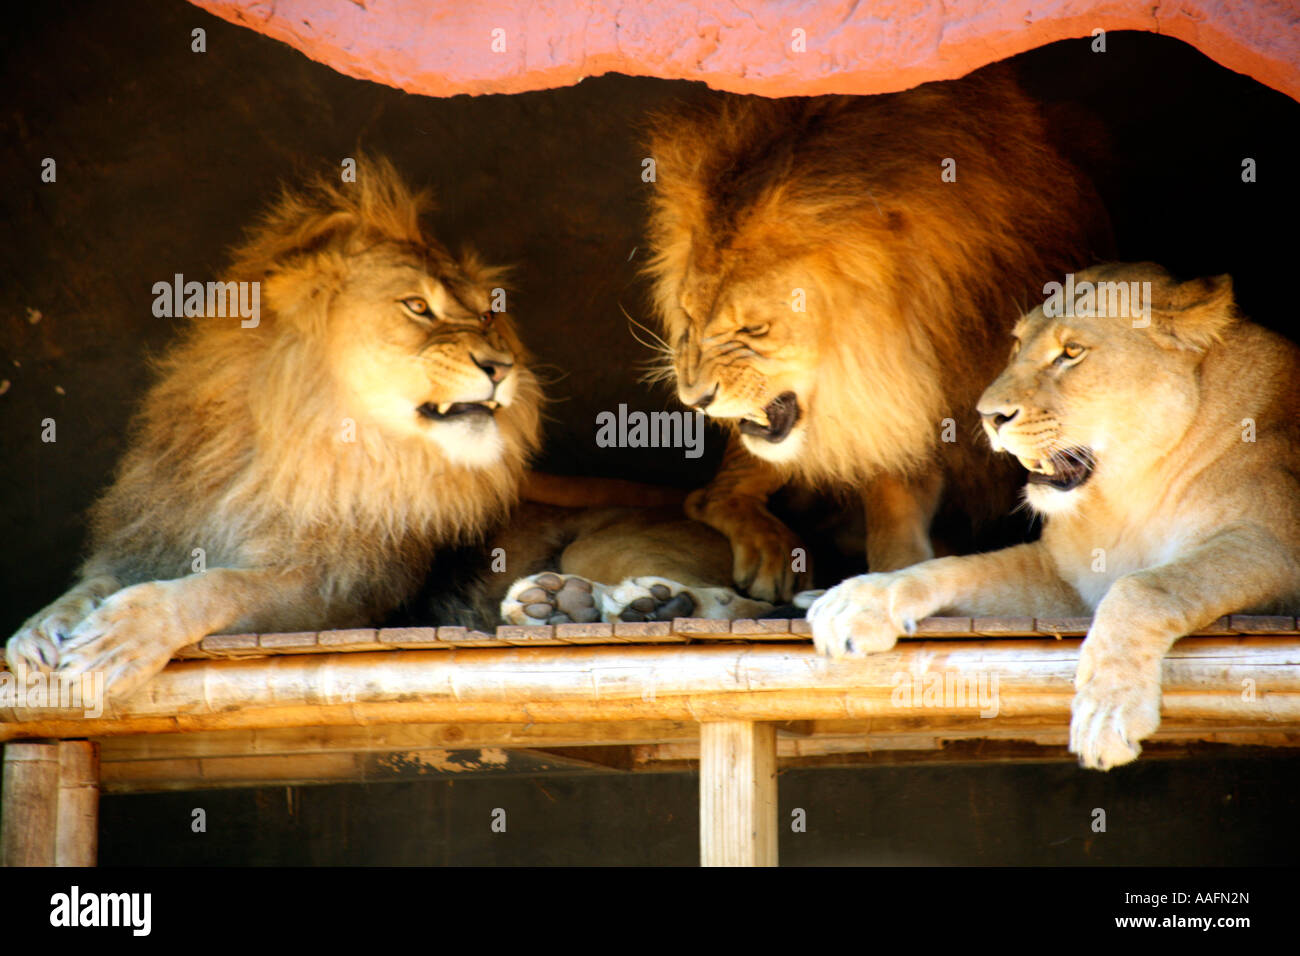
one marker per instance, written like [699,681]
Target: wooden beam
[1213,684]
[209,773]
[738,794]
[387,738]
[592,758]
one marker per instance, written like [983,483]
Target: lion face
[741,354]
[417,349]
[1090,401]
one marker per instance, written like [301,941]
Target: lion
[379,412]
[834,277]
[1167,442]
[310,465]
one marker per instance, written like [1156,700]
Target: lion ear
[1199,312]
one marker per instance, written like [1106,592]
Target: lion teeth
[761,420]
[1040,465]
[492,405]
[444,407]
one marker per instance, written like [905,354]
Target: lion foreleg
[1117,686]
[899,513]
[735,504]
[131,635]
[868,613]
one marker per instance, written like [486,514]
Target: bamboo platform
[738,699]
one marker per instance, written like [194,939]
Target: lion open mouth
[777,418]
[1064,472]
[445,410]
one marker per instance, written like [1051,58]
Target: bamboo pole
[738,794]
[1215,683]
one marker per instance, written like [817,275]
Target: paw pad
[556,600]
[661,605]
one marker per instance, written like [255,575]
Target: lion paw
[1109,719]
[551,599]
[33,649]
[649,599]
[129,638]
[36,646]
[858,617]
[761,545]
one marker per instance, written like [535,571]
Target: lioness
[301,474]
[1168,445]
[834,277]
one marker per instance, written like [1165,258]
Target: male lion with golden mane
[314,462]
[311,467]
[835,277]
[1167,438]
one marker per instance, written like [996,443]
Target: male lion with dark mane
[378,410]
[1168,443]
[835,277]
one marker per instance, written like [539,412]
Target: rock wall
[771,47]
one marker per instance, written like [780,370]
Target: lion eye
[417,305]
[485,319]
[1069,352]
[754,331]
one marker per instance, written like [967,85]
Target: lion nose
[694,396]
[998,417]
[495,369]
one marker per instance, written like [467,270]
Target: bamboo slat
[680,631]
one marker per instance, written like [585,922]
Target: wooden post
[31,797]
[738,793]
[50,808]
[77,842]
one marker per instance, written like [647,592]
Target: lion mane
[910,277]
[239,449]
[311,465]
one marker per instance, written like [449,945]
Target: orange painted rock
[771,47]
